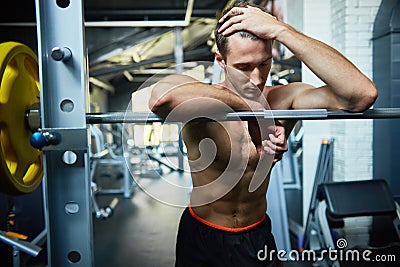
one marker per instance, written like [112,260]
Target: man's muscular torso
[223,159]
[221,176]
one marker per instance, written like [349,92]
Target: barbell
[298,114]
[21,157]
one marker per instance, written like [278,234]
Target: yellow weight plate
[21,165]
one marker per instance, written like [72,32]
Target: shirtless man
[224,225]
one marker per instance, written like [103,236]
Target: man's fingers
[230,26]
[272,137]
[233,12]
[269,150]
[276,140]
[274,148]
[268,146]
[231,21]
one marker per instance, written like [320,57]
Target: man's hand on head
[251,19]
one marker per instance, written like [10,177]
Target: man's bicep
[315,98]
[283,97]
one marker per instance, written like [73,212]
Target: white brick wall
[346,25]
[352,26]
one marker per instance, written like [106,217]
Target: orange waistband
[223,228]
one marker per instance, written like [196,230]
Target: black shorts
[199,244]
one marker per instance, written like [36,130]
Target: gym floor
[142,230]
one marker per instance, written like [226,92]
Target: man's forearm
[343,78]
[192,98]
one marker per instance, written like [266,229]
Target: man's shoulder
[178,79]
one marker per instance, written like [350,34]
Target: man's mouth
[252,90]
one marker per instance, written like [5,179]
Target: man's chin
[251,95]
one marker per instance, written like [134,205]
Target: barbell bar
[297,114]
[48,139]
[42,138]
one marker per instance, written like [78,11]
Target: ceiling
[123,44]
[116,51]
[134,53]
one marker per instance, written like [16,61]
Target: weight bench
[339,200]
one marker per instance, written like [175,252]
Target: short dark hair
[221,40]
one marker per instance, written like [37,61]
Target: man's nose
[256,77]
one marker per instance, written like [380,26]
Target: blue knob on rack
[42,138]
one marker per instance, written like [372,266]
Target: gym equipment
[276,208]
[107,211]
[340,200]
[323,174]
[306,114]
[101,153]
[284,175]
[21,166]
[63,101]
[17,240]
[332,202]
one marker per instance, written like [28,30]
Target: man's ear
[219,59]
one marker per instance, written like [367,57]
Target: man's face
[248,65]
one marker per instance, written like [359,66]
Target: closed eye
[243,67]
[266,62]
